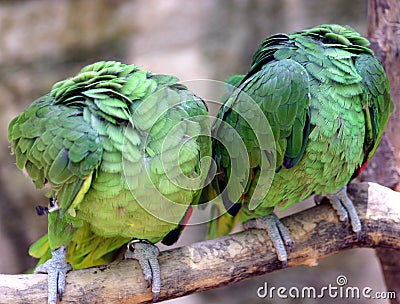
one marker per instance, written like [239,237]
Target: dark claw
[318,199]
[289,244]
[41,210]
[155,296]
[52,202]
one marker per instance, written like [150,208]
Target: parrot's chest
[335,146]
[140,212]
[334,150]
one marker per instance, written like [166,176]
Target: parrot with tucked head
[124,152]
[326,99]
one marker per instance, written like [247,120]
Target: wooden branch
[316,233]
[384,34]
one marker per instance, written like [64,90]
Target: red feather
[362,168]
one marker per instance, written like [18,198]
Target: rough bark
[316,232]
[384,34]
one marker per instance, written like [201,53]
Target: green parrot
[124,152]
[326,100]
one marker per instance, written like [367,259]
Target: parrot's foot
[146,254]
[56,268]
[345,209]
[276,231]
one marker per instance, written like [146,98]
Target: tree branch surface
[316,233]
[384,34]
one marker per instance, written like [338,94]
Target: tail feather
[221,222]
[85,250]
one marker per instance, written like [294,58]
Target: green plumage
[118,146]
[326,98]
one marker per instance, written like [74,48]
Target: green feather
[326,98]
[96,140]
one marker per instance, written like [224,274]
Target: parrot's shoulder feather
[56,146]
[281,89]
[377,103]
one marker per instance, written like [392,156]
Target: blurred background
[44,41]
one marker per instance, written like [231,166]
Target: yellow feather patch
[80,195]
